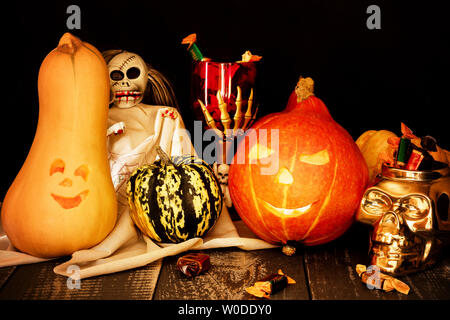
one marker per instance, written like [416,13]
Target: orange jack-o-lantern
[63,199]
[313,192]
[69,202]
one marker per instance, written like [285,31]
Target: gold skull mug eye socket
[413,206]
[376,202]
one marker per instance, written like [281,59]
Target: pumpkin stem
[288,249]
[163,156]
[68,43]
[304,88]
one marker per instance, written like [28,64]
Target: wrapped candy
[379,280]
[193,264]
[270,284]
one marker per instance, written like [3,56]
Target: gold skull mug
[409,212]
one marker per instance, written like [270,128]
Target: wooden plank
[433,283]
[331,272]
[232,270]
[38,281]
[5,273]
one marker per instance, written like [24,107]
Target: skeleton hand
[238,126]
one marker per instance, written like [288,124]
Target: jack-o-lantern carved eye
[82,171]
[57,166]
[259,151]
[284,177]
[319,158]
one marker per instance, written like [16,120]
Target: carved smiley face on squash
[72,201]
[294,191]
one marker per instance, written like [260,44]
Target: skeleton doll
[143,115]
[409,213]
[221,171]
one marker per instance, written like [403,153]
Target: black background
[369,79]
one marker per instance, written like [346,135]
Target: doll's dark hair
[159,90]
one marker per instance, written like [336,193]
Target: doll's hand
[117,128]
[169,113]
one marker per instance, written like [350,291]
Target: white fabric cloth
[125,247]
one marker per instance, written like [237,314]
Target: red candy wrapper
[407,132]
[414,160]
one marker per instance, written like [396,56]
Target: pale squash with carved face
[298,175]
[63,199]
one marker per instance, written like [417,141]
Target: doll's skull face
[128,79]
[410,220]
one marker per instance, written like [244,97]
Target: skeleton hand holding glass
[222,98]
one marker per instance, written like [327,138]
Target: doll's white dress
[146,127]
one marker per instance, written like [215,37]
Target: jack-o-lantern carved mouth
[284,212]
[70,202]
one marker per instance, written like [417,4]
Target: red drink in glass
[209,77]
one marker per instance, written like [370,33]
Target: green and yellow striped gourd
[173,200]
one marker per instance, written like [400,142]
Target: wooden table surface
[325,272]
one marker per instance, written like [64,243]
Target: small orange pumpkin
[374,143]
[63,199]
